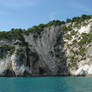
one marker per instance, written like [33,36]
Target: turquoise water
[46,84]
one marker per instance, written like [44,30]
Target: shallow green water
[46,84]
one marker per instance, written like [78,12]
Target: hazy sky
[26,13]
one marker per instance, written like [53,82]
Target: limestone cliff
[56,48]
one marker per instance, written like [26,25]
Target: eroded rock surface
[54,49]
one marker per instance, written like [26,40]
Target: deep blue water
[46,84]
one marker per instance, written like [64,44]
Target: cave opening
[42,70]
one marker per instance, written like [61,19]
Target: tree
[68,20]
[84,17]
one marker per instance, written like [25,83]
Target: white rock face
[4,65]
[18,69]
[84,70]
[84,29]
[43,45]
[12,63]
[84,67]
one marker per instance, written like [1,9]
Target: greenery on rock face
[74,42]
[68,20]
[72,64]
[13,34]
[55,23]
[38,28]
[18,33]
[80,19]
[78,45]
[68,36]
[86,38]
[9,48]
[23,50]
[73,32]
[6,48]
[21,54]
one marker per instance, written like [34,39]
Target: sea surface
[46,84]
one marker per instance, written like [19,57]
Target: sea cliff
[57,48]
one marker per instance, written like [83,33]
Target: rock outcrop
[56,48]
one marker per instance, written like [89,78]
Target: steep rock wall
[63,49]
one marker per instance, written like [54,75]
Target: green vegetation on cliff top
[17,33]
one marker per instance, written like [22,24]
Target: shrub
[8,48]
[84,17]
[81,50]
[68,20]
[74,42]
[13,34]
[68,36]
[55,23]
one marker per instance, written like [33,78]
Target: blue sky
[26,13]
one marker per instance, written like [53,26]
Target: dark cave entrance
[42,70]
